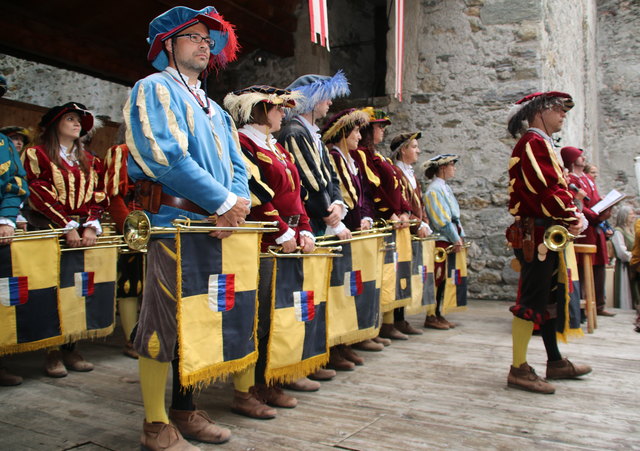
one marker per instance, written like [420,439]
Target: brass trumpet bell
[556,238]
[137,230]
[439,255]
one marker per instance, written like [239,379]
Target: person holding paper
[574,161]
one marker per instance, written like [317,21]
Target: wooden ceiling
[108,39]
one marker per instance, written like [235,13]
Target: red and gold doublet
[593,233]
[412,196]
[537,187]
[279,172]
[117,184]
[64,193]
[384,185]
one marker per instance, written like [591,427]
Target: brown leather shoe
[248,405]
[351,355]
[322,374]
[383,341]
[53,366]
[196,425]
[605,313]
[406,328]
[129,351]
[368,345]
[8,379]
[432,322]
[274,396]
[303,384]
[338,362]
[525,378]
[564,369]
[443,320]
[74,361]
[163,437]
[388,331]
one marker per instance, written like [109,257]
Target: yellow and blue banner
[455,288]
[217,297]
[396,271]
[298,339]
[29,315]
[568,296]
[88,292]
[354,291]
[423,292]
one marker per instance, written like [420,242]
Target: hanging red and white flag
[399,10]
[319,24]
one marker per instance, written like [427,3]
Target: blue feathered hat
[316,88]
[175,20]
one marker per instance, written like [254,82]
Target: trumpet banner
[423,294]
[455,285]
[29,316]
[298,339]
[354,292]
[217,301]
[88,292]
[396,271]
[568,296]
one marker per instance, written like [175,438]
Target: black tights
[181,397]
[548,332]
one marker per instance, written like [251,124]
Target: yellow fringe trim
[89,334]
[220,371]
[355,336]
[31,346]
[292,373]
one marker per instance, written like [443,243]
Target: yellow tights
[153,383]
[521,331]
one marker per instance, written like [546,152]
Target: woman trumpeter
[65,181]
[275,189]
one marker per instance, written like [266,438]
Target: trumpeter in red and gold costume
[538,198]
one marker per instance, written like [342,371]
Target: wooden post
[586,250]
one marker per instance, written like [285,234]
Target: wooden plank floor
[444,389]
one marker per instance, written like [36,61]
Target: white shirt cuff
[345,209]
[227,204]
[367,218]
[308,235]
[7,221]
[585,223]
[95,224]
[286,236]
[71,225]
[336,230]
[423,225]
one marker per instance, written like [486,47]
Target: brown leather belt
[182,204]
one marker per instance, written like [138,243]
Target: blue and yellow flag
[88,292]
[455,288]
[298,339]
[423,294]
[217,315]
[29,316]
[396,271]
[568,296]
[354,292]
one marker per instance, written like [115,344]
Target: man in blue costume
[186,161]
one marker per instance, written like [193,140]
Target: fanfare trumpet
[137,228]
[103,241]
[440,254]
[557,237]
[330,240]
[274,251]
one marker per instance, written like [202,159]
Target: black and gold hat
[240,103]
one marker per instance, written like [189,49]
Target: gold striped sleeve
[371,176]
[534,164]
[133,149]
[295,150]
[157,153]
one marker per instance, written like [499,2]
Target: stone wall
[47,86]
[619,92]
[467,62]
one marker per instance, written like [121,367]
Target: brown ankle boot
[323,374]
[248,405]
[74,361]
[406,328]
[196,425]
[351,355]
[525,378]
[8,379]
[163,437]
[388,331]
[564,369]
[53,366]
[432,322]
[383,341]
[303,384]
[338,362]
[368,345]
[274,396]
